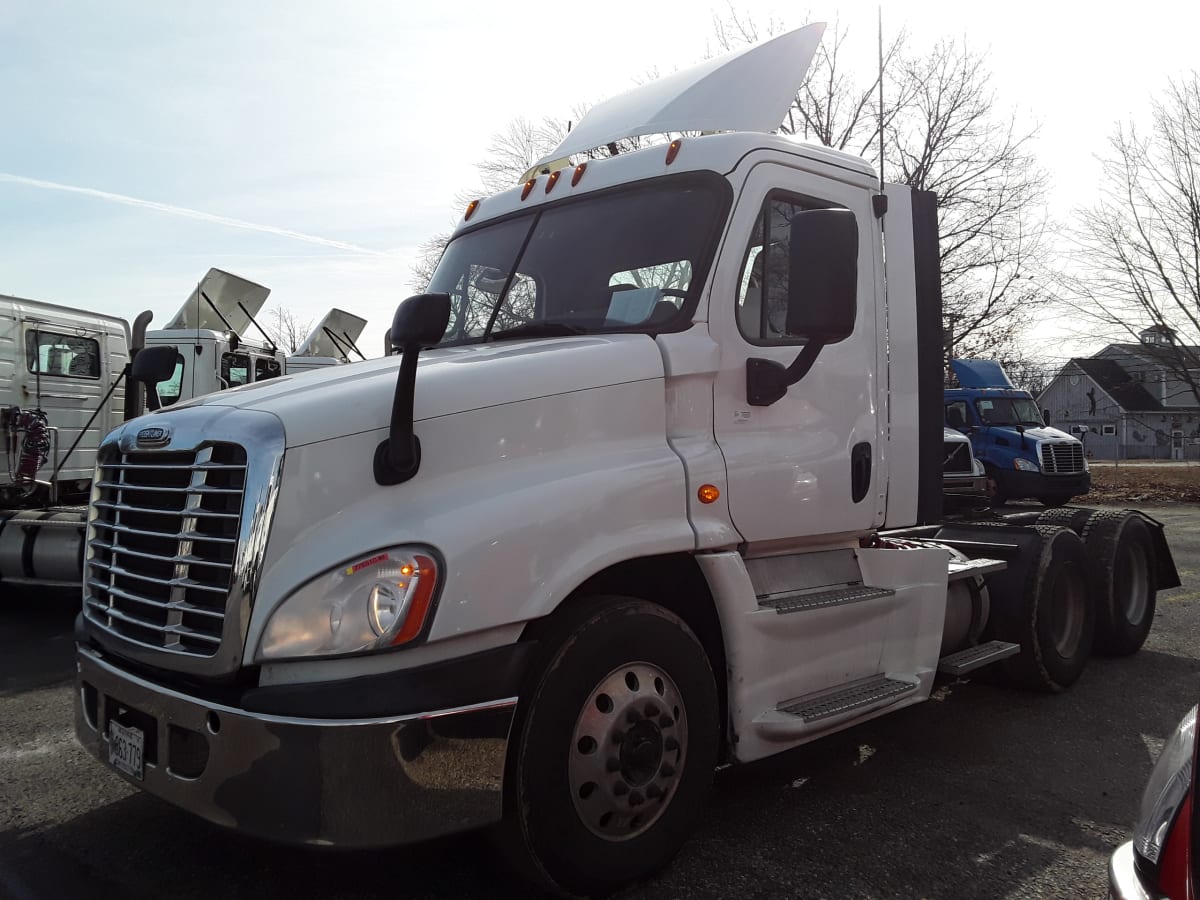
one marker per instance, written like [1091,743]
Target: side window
[69,355]
[169,390]
[235,369]
[763,287]
[1108,429]
[265,367]
[956,414]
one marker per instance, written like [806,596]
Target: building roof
[1117,383]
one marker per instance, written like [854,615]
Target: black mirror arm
[767,381]
[398,457]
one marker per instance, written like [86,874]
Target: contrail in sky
[189,213]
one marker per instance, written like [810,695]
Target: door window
[763,286]
[235,369]
[265,367]
[169,390]
[68,355]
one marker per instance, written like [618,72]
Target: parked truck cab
[1021,454]
[653,483]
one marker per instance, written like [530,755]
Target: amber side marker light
[528,187]
[471,207]
[673,150]
[553,180]
[708,493]
[579,170]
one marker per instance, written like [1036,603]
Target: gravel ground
[984,792]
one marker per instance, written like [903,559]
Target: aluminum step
[970,568]
[976,657]
[867,692]
[790,603]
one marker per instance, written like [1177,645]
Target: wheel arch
[673,581]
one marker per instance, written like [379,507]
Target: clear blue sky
[312,146]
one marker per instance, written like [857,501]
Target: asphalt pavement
[983,792]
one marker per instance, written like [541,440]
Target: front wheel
[615,747]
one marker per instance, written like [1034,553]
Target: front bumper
[1124,882]
[366,782]
[1017,484]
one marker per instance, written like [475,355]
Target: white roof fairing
[346,328]
[747,90]
[226,291]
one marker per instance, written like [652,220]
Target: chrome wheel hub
[627,751]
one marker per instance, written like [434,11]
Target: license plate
[125,749]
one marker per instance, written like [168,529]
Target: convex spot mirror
[823,275]
[420,321]
[154,364]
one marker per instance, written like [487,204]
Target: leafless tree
[1139,245]
[286,329]
[943,132]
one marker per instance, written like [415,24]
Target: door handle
[860,471]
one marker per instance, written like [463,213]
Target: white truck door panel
[789,464]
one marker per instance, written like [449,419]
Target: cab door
[809,464]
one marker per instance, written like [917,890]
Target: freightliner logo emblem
[155,434]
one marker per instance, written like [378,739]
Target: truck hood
[1035,434]
[349,399]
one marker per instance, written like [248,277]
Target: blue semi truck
[1021,455]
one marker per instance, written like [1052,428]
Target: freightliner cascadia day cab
[1021,455]
[63,387]
[653,485]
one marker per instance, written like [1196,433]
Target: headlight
[379,601]
[1166,790]
[1025,465]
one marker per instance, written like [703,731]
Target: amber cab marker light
[708,493]
[528,187]
[552,181]
[673,150]
[579,170]
[471,207]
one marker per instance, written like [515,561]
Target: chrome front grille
[956,457]
[1061,457]
[163,544]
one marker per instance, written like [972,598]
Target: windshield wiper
[536,329]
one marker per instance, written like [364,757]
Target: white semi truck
[63,387]
[654,485]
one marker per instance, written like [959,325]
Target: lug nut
[654,792]
[667,770]
[671,744]
[620,789]
[613,764]
[632,716]
[651,710]
[618,735]
[636,799]
[666,721]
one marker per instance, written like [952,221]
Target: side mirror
[823,280]
[152,365]
[822,297]
[419,322]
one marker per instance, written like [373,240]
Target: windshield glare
[1009,411]
[629,260]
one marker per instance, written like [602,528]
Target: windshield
[627,260]
[1009,411]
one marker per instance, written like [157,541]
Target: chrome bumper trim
[331,782]
[1124,883]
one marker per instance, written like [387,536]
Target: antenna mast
[881,99]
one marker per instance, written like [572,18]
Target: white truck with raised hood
[63,387]
[655,484]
